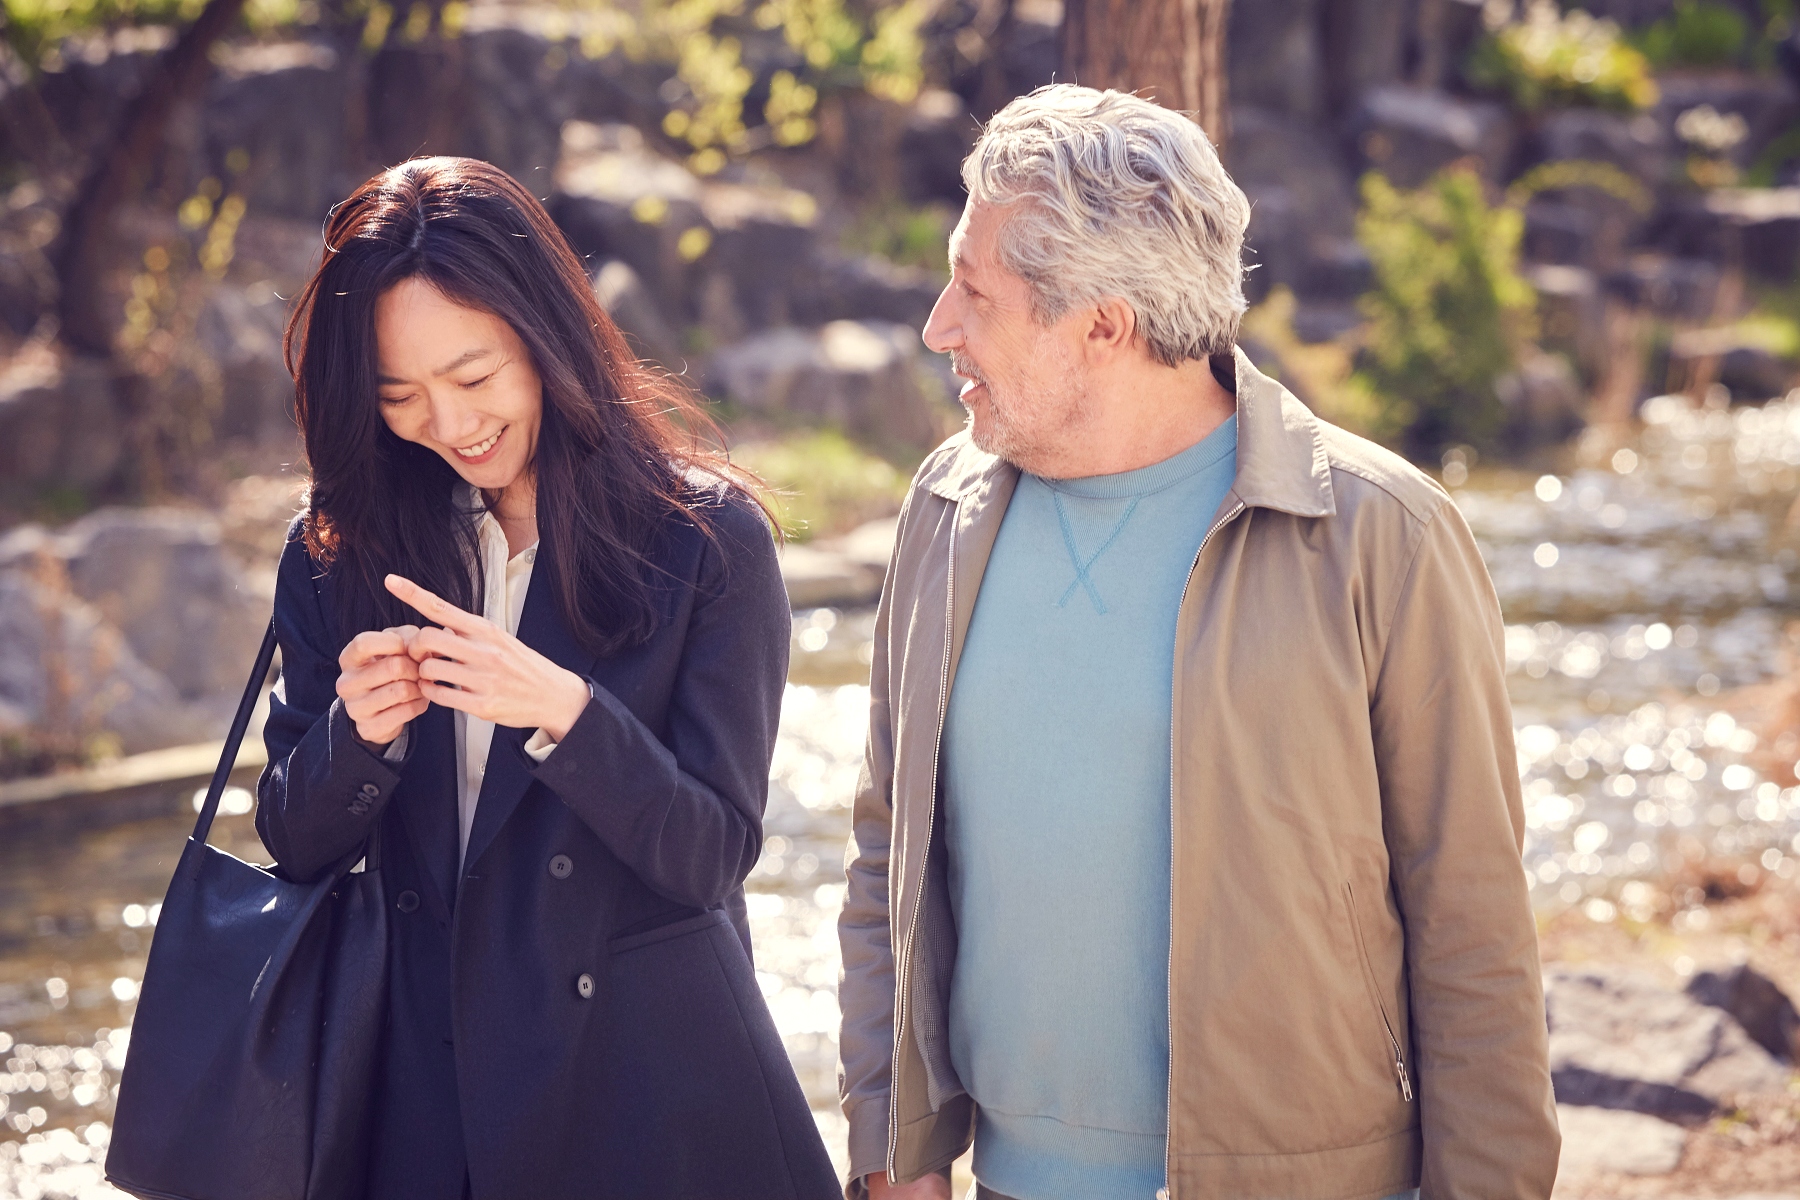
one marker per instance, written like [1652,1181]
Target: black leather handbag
[250,1070]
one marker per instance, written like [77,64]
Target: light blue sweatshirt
[1056,770]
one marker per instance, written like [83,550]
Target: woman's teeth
[480,448]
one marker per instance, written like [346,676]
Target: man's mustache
[965,368]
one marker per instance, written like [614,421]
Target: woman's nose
[453,424]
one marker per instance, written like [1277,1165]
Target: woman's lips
[483,450]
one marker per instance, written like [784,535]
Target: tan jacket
[1355,1006]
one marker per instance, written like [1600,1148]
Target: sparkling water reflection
[1646,594]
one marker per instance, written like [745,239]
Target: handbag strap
[235,738]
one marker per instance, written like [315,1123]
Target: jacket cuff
[868,1143]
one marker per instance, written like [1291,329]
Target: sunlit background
[1551,253]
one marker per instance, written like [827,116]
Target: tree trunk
[1170,51]
[117,173]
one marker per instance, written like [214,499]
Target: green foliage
[824,483]
[1698,33]
[1448,314]
[1549,57]
[901,233]
[1581,173]
[34,26]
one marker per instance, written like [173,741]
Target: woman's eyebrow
[462,360]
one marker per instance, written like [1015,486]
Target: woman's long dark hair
[612,465]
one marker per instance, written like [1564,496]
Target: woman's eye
[475,383]
[394,401]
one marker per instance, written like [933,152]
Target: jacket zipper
[1169,998]
[902,1001]
[1362,950]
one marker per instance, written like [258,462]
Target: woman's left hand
[496,676]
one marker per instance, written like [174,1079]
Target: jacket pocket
[662,933]
[1387,1024]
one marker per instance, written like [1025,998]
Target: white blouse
[507,580]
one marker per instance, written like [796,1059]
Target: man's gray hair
[1117,196]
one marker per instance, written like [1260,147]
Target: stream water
[1646,595]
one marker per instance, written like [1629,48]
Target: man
[1186,854]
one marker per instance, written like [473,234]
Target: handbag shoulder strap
[233,739]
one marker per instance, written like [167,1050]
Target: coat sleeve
[320,795]
[866,981]
[686,815]
[1454,825]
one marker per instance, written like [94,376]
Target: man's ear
[1112,327]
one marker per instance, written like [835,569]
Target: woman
[563,765]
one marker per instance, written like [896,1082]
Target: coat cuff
[868,1143]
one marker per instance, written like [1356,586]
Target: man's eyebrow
[462,360]
[961,263]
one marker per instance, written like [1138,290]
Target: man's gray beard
[1003,438]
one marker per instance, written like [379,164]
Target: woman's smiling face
[458,381]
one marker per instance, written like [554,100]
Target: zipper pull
[1405,1083]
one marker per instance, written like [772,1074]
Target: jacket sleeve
[686,816]
[1454,825]
[320,795]
[866,982]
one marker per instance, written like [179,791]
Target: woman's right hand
[378,682]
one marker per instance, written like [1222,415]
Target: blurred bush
[909,235]
[1449,315]
[1548,57]
[824,483]
[1697,33]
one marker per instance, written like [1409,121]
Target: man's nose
[943,330]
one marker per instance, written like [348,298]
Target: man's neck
[1141,417]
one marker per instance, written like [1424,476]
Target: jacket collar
[1281,458]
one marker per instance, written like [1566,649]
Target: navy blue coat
[576,1015]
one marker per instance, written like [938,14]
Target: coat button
[407,901]
[584,986]
[562,866]
[371,792]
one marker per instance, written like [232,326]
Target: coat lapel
[508,768]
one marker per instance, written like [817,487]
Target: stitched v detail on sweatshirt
[1082,577]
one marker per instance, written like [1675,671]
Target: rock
[1604,1140]
[1679,288]
[1747,366]
[616,198]
[1302,204]
[870,544]
[1543,400]
[867,287]
[1571,314]
[163,578]
[1765,104]
[939,133]
[1619,1040]
[866,377]
[764,242]
[1757,227]
[67,674]
[59,422]
[280,105]
[241,329]
[629,303]
[1409,133]
[1637,145]
[1760,1006]
[819,577]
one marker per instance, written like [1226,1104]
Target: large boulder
[1607,1141]
[846,287]
[1409,133]
[866,377]
[67,674]
[1572,314]
[59,422]
[1638,145]
[1619,1039]
[273,123]
[1757,228]
[615,197]
[1765,105]
[631,306]
[764,242]
[1684,289]
[163,577]
[1303,207]
[241,329]
[1758,1004]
